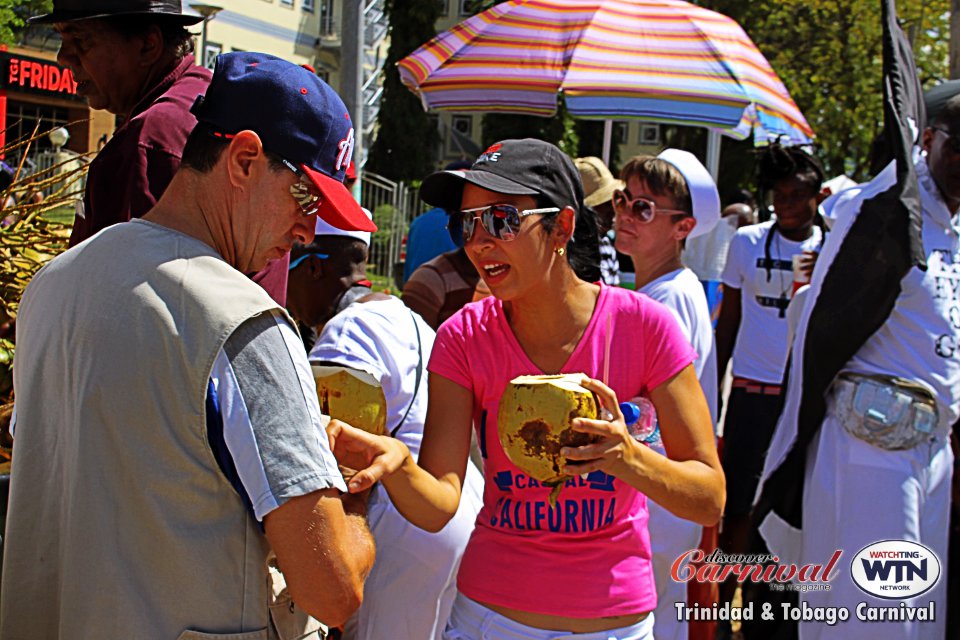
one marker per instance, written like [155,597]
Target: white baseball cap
[326,229]
[703,190]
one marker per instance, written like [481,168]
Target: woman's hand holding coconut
[673,482]
[614,448]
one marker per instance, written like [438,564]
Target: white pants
[410,591]
[470,620]
[856,494]
[670,537]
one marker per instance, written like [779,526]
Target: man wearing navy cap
[168,432]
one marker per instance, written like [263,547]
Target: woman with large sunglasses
[582,569]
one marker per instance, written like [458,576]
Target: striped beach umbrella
[657,60]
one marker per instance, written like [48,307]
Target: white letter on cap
[346,151]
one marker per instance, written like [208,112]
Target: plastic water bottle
[641,418]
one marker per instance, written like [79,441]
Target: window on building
[444,7]
[307,5]
[621,131]
[466,7]
[286,3]
[21,119]
[210,52]
[462,125]
[649,134]
[323,74]
[327,25]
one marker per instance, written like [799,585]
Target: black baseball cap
[527,167]
[297,116]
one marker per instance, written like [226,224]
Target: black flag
[862,283]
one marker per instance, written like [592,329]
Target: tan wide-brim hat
[598,183]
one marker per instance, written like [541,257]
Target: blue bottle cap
[630,411]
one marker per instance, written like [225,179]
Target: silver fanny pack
[885,411]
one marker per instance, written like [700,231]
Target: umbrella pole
[713,153]
[607,140]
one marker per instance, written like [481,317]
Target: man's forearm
[362,541]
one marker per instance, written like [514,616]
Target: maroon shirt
[133,169]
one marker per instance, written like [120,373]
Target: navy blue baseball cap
[296,115]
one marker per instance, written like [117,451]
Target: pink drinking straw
[606,350]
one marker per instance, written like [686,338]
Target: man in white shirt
[758,282]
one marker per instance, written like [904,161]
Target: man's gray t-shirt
[263,417]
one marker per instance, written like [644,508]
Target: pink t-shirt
[590,556]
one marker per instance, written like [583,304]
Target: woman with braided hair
[758,282]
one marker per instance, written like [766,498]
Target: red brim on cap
[338,208]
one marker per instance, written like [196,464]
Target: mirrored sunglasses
[501,221]
[303,190]
[640,209]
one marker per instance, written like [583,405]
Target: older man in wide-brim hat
[134,59]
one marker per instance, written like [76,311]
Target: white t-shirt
[766,285]
[920,340]
[683,294]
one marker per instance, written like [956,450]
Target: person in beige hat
[598,187]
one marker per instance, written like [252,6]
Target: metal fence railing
[50,163]
[394,205]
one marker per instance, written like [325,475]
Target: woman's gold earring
[560,251]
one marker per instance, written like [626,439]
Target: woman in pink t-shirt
[581,569]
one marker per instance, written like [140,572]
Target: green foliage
[407,139]
[559,129]
[6,370]
[13,16]
[829,56]
[384,216]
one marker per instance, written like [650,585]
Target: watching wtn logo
[895,569]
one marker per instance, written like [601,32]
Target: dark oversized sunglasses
[502,221]
[641,209]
